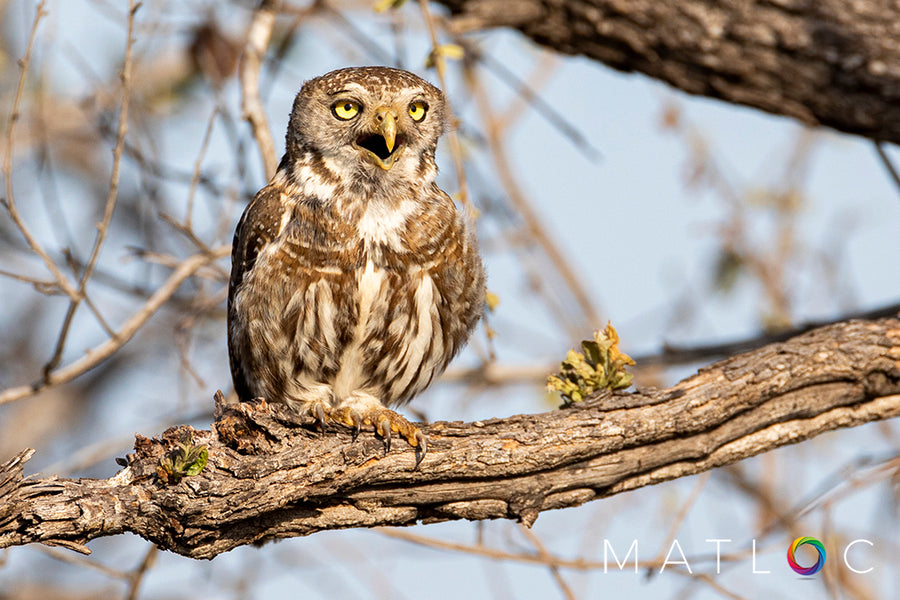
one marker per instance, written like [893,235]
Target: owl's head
[368,120]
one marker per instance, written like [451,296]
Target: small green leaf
[602,366]
[197,465]
[591,352]
[186,459]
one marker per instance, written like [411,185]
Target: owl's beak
[385,144]
[387,126]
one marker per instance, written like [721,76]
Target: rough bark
[268,478]
[824,62]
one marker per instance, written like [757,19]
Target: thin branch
[43,286]
[112,196]
[673,354]
[268,478]
[213,272]
[100,353]
[576,564]
[135,578]
[533,224]
[546,556]
[195,178]
[499,374]
[85,563]
[440,67]
[887,164]
[682,514]
[9,202]
[258,37]
[532,98]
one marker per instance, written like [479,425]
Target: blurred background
[598,196]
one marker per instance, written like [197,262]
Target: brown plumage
[354,280]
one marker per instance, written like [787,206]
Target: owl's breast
[397,345]
[377,310]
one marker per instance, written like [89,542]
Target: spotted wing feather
[259,226]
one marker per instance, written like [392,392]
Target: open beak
[384,145]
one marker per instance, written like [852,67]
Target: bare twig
[85,563]
[452,136]
[672,354]
[137,576]
[532,221]
[531,98]
[258,37]
[9,202]
[195,178]
[886,162]
[546,556]
[100,353]
[112,196]
[682,514]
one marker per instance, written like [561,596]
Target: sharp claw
[320,416]
[421,448]
[385,430]
[357,424]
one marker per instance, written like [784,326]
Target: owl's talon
[357,424]
[384,429]
[319,411]
[421,447]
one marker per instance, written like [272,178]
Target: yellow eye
[417,110]
[345,109]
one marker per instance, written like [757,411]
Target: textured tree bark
[824,62]
[268,478]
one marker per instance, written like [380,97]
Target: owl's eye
[417,110]
[345,109]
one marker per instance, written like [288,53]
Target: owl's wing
[259,225]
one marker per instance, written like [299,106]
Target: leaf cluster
[185,460]
[601,366]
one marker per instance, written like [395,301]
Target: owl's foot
[386,422]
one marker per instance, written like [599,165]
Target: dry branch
[824,62]
[258,37]
[106,349]
[267,478]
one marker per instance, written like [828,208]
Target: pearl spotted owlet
[354,280]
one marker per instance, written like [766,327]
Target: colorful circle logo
[802,541]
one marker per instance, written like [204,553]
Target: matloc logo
[803,541]
[676,556]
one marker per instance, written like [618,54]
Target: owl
[354,280]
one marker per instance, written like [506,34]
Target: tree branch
[823,62]
[258,37]
[267,478]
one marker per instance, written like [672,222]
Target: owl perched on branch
[354,280]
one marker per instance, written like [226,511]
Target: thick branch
[824,62]
[267,478]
